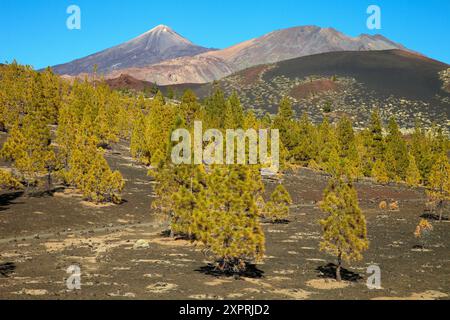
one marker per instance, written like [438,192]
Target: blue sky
[34,31]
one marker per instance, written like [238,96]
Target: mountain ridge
[156,45]
[278,45]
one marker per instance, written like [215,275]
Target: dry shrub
[383,205]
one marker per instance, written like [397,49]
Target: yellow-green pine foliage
[379,172]
[344,228]
[15,93]
[227,220]
[306,141]
[108,105]
[138,146]
[190,108]
[396,152]
[439,182]
[215,107]
[8,181]
[422,151]
[413,177]
[347,147]
[334,163]
[377,143]
[158,129]
[159,98]
[284,121]
[29,147]
[188,199]
[327,142]
[89,172]
[277,209]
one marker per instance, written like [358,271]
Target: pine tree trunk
[49,180]
[338,268]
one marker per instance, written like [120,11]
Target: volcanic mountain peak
[156,45]
[164,35]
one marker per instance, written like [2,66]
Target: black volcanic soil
[101,241]
[402,84]
[391,72]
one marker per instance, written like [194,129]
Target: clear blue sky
[34,31]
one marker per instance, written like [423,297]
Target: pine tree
[158,129]
[229,119]
[238,111]
[306,141]
[422,151]
[190,183]
[377,144]
[215,107]
[413,177]
[284,121]
[138,146]
[89,172]
[159,99]
[396,152]
[190,108]
[29,148]
[347,148]
[227,217]
[8,181]
[379,172]
[327,141]
[344,228]
[439,182]
[277,209]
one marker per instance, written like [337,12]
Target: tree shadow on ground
[45,193]
[8,199]
[329,272]
[6,269]
[433,216]
[250,272]
[176,237]
[277,222]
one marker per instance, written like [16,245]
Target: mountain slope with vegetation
[397,82]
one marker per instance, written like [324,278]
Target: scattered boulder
[141,244]
[383,205]
[393,206]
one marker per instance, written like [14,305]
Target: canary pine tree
[284,121]
[327,142]
[344,228]
[413,177]
[347,147]
[227,220]
[376,144]
[439,182]
[277,209]
[89,172]
[379,172]
[396,154]
[158,128]
[187,200]
[422,151]
[29,148]
[8,181]
[138,146]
